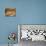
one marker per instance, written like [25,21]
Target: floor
[30,43]
[7,45]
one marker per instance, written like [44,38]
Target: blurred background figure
[11,37]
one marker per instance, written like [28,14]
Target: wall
[27,12]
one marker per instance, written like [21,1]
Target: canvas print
[33,32]
[10,11]
[29,35]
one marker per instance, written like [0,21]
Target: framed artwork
[10,11]
[32,32]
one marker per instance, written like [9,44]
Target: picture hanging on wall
[10,11]
[32,32]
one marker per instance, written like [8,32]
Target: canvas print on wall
[10,11]
[32,32]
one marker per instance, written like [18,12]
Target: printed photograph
[10,11]
[29,34]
